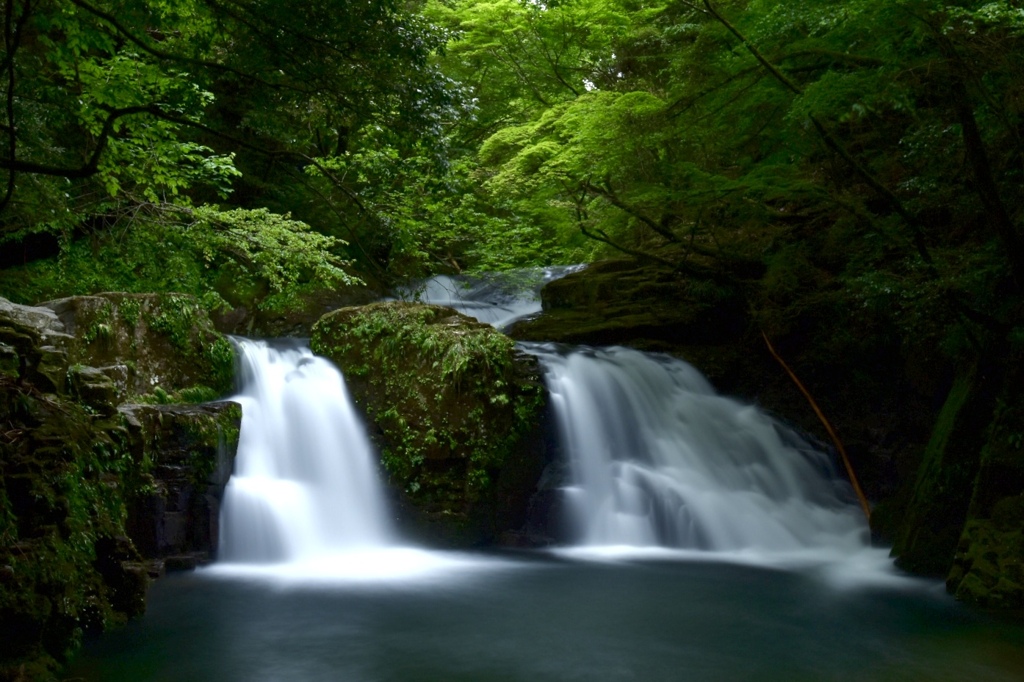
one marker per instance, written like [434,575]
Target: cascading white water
[498,299]
[657,458]
[305,482]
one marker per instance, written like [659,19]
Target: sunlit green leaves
[251,257]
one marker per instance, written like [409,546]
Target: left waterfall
[305,481]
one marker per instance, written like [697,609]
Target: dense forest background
[253,152]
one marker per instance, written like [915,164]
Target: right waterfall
[657,458]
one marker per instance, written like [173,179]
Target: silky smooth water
[305,482]
[537,617]
[658,458]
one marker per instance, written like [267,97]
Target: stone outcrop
[455,410]
[173,516]
[144,342]
[988,567]
[82,476]
[926,521]
[246,318]
[622,302]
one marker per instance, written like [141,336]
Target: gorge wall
[99,490]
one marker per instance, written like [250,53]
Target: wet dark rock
[988,567]
[932,517]
[72,465]
[182,562]
[118,562]
[547,520]
[191,449]
[623,302]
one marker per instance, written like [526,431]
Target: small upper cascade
[497,299]
[658,459]
[305,481]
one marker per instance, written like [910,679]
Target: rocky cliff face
[455,410]
[147,342]
[95,494]
[988,567]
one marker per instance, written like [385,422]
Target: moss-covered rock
[621,301]
[454,408]
[63,474]
[988,568]
[35,343]
[71,465]
[188,451]
[147,341]
[929,521]
[246,318]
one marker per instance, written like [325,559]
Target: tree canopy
[796,146]
[792,148]
[121,116]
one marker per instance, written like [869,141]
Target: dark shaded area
[539,618]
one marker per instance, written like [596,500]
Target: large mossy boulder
[146,342]
[624,302]
[926,517]
[65,565]
[455,410]
[72,468]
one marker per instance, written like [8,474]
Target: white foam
[385,566]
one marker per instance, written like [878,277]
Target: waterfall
[305,480]
[658,459]
[498,299]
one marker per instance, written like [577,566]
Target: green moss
[208,434]
[192,395]
[64,482]
[165,337]
[932,523]
[445,391]
[175,319]
[178,318]
[221,356]
[944,424]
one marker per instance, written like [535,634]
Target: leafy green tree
[114,108]
[783,146]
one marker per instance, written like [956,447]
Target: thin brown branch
[828,427]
